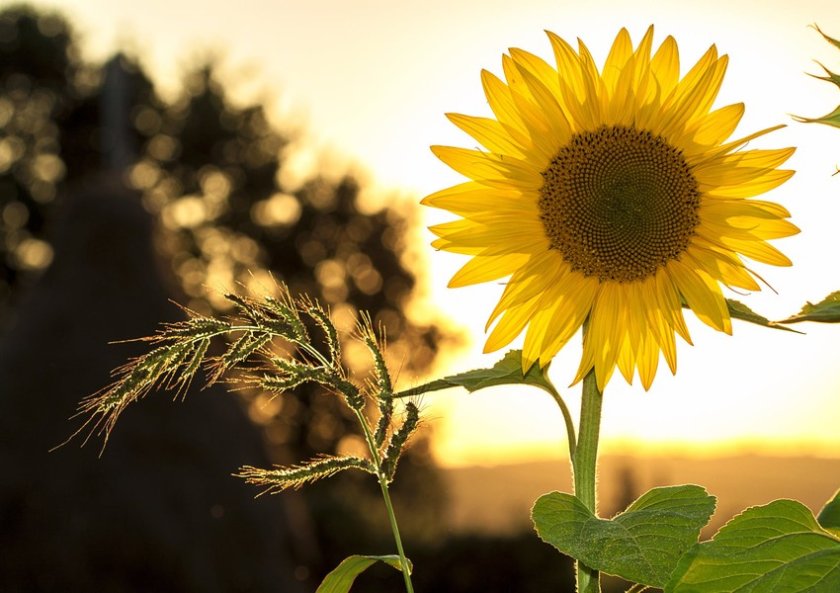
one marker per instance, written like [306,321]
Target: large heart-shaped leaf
[341,578]
[775,548]
[643,544]
[829,517]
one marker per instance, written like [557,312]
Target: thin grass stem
[386,497]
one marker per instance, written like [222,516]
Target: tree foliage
[208,170]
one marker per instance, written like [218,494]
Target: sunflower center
[619,203]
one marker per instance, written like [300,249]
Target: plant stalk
[383,484]
[386,497]
[567,418]
[585,467]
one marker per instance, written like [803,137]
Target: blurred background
[172,151]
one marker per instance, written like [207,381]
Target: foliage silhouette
[208,170]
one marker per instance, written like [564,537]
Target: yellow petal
[627,361]
[490,169]
[596,99]
[568,64]
[701,293]
[500,100]
[442,244]
[489,132]
[604,335]
[486,268]
[756,249]
[713,153]
[556,124]
[645,45]
[665,66]
[690,102]
[717,126]
[669,304]
[727,268]
[540,324]
[472,198]
[578,298]
[732,168]
[539,272]
[620,53]
[753,187]
[694,76]
[722,209]
[657,320]
[648,361]
[525,237]
[510,325]
[538,67]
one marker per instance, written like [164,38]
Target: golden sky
[369,82]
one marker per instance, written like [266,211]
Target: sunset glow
[401,66]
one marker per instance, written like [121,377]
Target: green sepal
[775,548]
[826,311]
[833,118]
[829,119]
[831,40]
[341,578]
[643,544]
[831,77]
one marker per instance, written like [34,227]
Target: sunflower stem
[585,462]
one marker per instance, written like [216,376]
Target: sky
[367,83]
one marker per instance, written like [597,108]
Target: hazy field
[498,499]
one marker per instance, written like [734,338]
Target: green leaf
[829,119]
[775,548]
[738,310]
[829,517]
[507,371]
[341,578]
[826,311]
[833,118]
[832,41]
[832,77]
[643,544]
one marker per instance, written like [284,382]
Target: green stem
[567,418]
[585,464]
[386,497]
[383,484]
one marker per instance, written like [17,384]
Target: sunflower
[610,198]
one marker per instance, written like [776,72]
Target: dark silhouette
[95,170]
[160,510]
[627,490]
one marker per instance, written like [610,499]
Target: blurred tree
[38,63]
[51,136]
[209,170]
